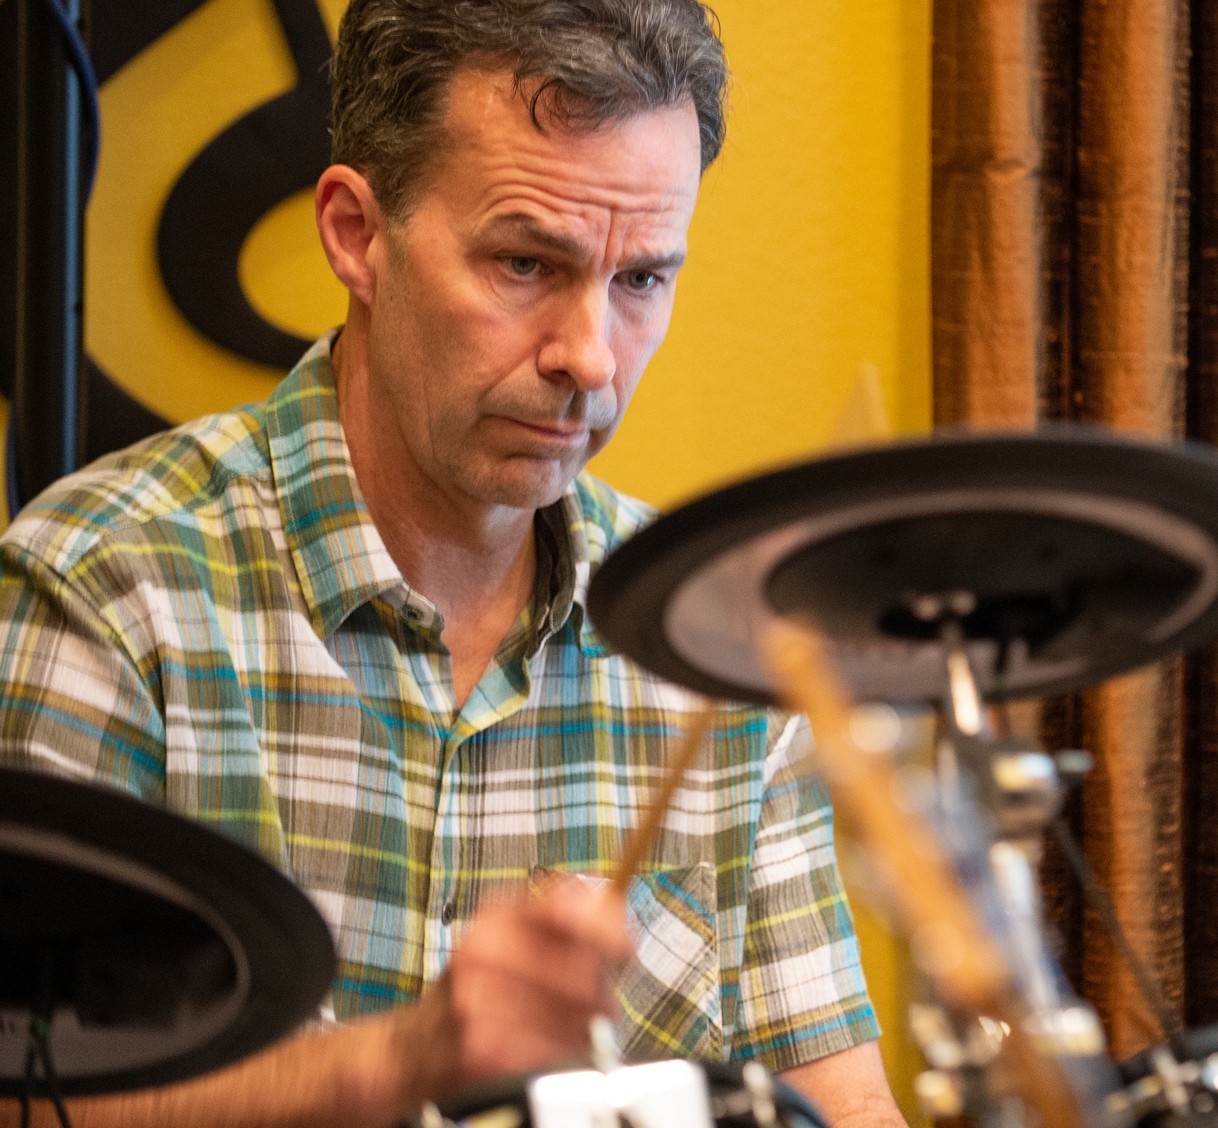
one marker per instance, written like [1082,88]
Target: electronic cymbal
[158,947]
[1064,556]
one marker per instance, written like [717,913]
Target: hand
[525,983]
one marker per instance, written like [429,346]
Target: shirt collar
[340,558]
[590,521]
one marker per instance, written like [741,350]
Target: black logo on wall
[274,151]
[270,154]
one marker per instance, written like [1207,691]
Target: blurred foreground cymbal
[1066,556]
[159,948]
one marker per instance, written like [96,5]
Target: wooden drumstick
[958,955]
[640,842]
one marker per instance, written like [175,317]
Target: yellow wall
[809,259]
[808,251]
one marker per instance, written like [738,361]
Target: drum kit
[955,572]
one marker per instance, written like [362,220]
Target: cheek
[626,389]
[636,344]
[486,333]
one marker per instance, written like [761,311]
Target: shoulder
[157,480]
[607,516]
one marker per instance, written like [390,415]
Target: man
[347,625]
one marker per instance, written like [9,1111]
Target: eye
[640,280]
[523,266]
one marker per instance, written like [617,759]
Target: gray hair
[592,61]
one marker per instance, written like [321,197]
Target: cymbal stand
[995,795]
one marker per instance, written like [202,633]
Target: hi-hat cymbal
[159,948]
[1067,556]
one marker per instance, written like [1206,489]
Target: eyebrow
[530,231]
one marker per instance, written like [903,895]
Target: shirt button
[448,913]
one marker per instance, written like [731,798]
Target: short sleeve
[802,990]
[72,701]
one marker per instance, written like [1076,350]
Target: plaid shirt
[211,620]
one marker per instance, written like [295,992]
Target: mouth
[555,432]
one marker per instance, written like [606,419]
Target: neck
[476,562]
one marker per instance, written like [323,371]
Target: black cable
[49,1074]
[1097,899]
[39,1049]
[27,1096]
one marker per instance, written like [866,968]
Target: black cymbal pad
[1065,556]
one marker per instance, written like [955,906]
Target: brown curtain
[1075,277]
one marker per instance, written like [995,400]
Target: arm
[849,1088]
[804,995]
[518,996]
[311,1079]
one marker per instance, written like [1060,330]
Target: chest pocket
[669,995]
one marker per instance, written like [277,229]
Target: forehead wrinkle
[550,162]
[558,182]
[597,195]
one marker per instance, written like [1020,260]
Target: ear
[349,221]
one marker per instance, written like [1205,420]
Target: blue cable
[85,75]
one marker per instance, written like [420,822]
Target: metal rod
[966,712]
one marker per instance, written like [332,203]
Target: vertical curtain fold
[1075,276]
[984,125]
[1129,364]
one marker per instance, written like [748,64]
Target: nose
[578,348]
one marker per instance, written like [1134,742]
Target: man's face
[518,304]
